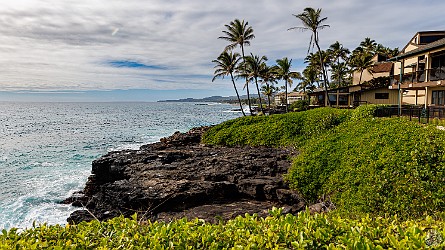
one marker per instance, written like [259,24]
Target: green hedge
[377,166]
[275,130]
[365,111]
[250,232]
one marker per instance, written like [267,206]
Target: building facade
[419,70]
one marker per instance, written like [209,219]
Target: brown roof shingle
[382,67]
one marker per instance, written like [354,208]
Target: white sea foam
[48,149]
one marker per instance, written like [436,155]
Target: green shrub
[278,231]
[299,105]
[365,111]
[275,130]
[377,166]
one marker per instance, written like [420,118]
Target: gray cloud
[64,45]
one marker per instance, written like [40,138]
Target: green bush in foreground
[299,105]
[275,130]
[365,111]
[250,232]
[377,166]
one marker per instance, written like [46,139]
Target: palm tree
[283,72]
[337,52]
[268,90]
[313,21]
[362,61]
[238,33]
[226,64]
[340,73]
[253,67]
[313,61]
[369,45]
[268,78]
[309,77]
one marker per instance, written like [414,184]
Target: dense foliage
[299,105]
[275,130]
[277,231]
[375,166]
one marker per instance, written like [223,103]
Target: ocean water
[46,149]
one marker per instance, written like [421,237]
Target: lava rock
[179,177]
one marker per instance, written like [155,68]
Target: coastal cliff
[179,177]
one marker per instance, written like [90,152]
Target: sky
[149,50]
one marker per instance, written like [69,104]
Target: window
[430,38]
[438,97]
[343,100]
[381,95]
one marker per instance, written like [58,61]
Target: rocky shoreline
[179,177]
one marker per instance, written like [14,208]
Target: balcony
[434,74]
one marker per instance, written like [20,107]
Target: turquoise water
[46,149]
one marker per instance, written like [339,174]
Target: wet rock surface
[179,177]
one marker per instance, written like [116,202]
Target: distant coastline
[220,99]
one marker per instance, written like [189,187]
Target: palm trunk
[325,80]
[285,84]
[360,80]
[259,95]
[247,82]
[338,65]
[268,98]
[237,95]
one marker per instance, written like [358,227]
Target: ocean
[46,149]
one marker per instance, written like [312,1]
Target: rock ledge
[179,177]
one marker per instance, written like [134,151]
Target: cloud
[165,44]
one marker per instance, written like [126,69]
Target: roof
[382,67]
[425,32]
[427,47]
[291,94]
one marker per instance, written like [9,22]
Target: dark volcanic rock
[179,177]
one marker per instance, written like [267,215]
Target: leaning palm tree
[238,33]
[313,21]
[226,64]
[253,66]
[268,78]
[283,72]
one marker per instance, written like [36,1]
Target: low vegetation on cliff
[377,166]
[275,130]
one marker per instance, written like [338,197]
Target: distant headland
[221,99]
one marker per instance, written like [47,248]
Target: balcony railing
[419,113]
[434,74]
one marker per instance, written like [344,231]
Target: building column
[427,67]
[417,93]
[426,97]
[402,68]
